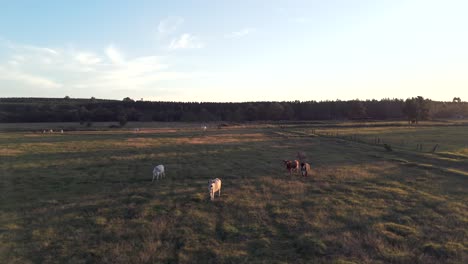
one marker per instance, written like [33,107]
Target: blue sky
[234,50]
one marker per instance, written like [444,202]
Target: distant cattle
[305,169]
[204,128]
[213,187]
[291,165]
[158,172]
[61,131]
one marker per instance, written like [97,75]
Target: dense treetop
[94,110]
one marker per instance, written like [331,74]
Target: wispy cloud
[29,79]
[240,33]
[87,58]
[114,55]
[75,71]
[169,24]
[186,41]
[30,48]
[45,50]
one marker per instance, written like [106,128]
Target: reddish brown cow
[291,165]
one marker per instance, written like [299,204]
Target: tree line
[96,110]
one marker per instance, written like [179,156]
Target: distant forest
[13,110]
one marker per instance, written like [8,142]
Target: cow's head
[211,186]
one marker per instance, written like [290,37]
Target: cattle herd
[214,185]
[295,166]
[52,131]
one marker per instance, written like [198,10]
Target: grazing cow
[213,187]
[291,165]
[305,169]
[158,171]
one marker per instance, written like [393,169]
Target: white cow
[213,187]
[158,171]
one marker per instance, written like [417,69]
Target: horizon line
[201,102]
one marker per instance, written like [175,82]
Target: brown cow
[305,169]
[291,165]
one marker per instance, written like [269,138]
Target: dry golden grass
[222,138]
[88,198]
[10,152]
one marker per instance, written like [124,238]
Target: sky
[243,50]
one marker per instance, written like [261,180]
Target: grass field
[85,197]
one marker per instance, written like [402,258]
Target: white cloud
[114,55]
[35,49]
[87,58]
[169,24]
[130,73]
[37,72]
[240,33]
[186,41]
[30,79]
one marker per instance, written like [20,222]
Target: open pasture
[450,139]
[82,197]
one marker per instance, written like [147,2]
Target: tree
[423,109]
[410,109]
[102,114]
[122,118]
[288,112]
[84,114]
[128,99]
[274,111]
[205,115]
[416,109]
[250,113]
[67,97]
[456,100]
[358,110]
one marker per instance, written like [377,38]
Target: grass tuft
[308,245]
